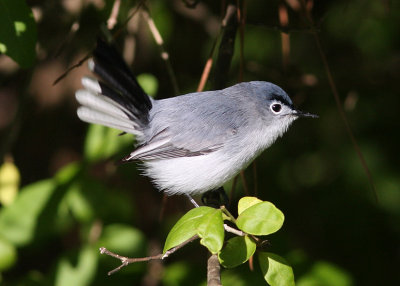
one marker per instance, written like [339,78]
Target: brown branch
[213,271]
[306,9]
[207,68]
[126,260]
[112,20]
[205,74]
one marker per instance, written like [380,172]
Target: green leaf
[68,173]
[17,32]
[206,222]
[327,274]
[8,254]
[81,272]
[149,83]
[275,269]
[78,204]
[260,219]
[19,220]
[185,228]
[246,202]
[9,183]
[237,251]
[210,229]
[103,142]
[124,240]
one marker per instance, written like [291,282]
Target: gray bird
[189,144]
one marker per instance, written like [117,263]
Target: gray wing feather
[162,147]
[198,124]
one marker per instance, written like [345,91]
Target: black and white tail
[116,100]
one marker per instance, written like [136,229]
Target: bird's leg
[215,198]
[196,205]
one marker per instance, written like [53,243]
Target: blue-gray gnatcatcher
[192,143]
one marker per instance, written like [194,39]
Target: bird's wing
[162,147]
[193,125]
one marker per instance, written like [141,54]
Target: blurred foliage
[18,32]
[72,198]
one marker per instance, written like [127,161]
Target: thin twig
[81,61]
[226,48]
[209,63]
[126,260]
[233,230]
[285,38]
[306,7]
[241,15]
[67,39]
[160,42]
[205,74]
[115,35]
[112,20]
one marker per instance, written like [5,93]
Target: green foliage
[123,239]
[260,219]
[255,218]
[313,174]
[236,251]
[96,150]
[149,83]
[8,254]
[17,32]
[79,272]
[205,222]
[18,221]
[211,230]
[327,274]
[275,269]
[247,202]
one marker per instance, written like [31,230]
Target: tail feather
[116,100]
[103,105]
[119,83]
[94,116]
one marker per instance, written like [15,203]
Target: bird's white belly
[194,175]
[199,174]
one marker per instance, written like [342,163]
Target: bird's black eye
[276,107]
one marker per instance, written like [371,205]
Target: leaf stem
[228,214]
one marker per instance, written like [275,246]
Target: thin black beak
[299,113]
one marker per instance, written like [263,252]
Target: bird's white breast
[198,174]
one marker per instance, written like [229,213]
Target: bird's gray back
[201,120]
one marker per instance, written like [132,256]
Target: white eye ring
[276,108]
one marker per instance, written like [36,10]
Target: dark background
[73,198]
